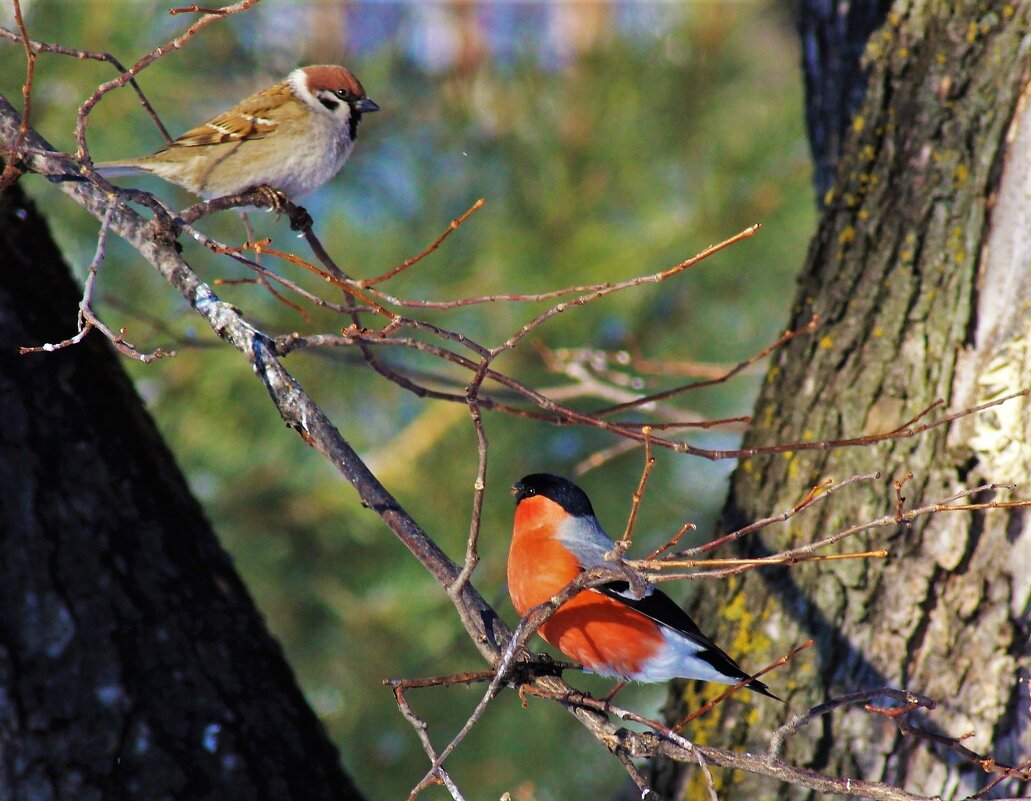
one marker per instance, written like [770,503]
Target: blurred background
[608,140]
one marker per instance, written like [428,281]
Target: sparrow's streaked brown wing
[249,119]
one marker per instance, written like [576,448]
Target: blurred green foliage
[608,141]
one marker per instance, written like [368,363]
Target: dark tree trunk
[920,273]
[833,34]
[133,663]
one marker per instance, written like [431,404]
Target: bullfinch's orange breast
[538,564]
[601,633]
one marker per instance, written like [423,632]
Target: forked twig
[782,340]
[811,497]
[422,731]
[87,318]
[795,724]
[672,541]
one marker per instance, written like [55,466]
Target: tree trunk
[833,34]
[919,273]
[133,663]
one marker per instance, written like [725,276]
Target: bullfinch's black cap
[560,490]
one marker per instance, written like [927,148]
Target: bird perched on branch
[556,537]
[292,137]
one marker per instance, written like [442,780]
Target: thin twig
[795,724]
[810,498]
[11,169]
[786,337]
[719,699]
[196,9]
[421,730]
[472,556]
[436,243]
[900,500]
[672,541]
[635,504]
[709,783]
[608,289]
[650,565]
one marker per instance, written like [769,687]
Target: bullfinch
[555,538]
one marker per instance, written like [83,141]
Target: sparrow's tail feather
[118,169]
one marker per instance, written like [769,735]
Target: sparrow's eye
[343,94]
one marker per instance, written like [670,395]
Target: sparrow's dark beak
[366,104]
[516,488]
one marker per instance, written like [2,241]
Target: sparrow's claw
[276,200]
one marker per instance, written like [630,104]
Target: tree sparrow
[293,137]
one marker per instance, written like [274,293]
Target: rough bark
[133,663]
[921,275]
[833,34]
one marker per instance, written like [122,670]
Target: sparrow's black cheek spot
[329,103]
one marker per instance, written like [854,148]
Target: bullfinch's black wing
[662,609]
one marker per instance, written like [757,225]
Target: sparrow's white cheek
[298,81]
